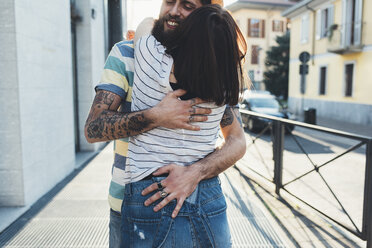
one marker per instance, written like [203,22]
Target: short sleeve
[118,72]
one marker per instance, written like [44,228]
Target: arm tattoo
[238,116]
[227,118]
[229,115]
[110,124]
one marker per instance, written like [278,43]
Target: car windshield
[264,103]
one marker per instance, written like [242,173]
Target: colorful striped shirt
[117,77]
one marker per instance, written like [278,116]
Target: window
[305,28]
[256,28]
[352,22]
[349,76]
[255,55]
[324,22]
[322,80]
[278,26]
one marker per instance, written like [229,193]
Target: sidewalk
[76,213]
[304,227]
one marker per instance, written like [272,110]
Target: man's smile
[172,24]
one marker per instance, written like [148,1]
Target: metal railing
[278,126]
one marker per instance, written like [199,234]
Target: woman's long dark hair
[207,49]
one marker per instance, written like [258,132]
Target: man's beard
[161,35]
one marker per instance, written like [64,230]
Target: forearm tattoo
[109,124]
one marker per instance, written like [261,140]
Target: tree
[277,66]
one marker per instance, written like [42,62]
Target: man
[106,121]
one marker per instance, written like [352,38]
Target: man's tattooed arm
[229,115]
[104,123]
[231,150]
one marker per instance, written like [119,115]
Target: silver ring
[163,194]
[159,185]
[191,118]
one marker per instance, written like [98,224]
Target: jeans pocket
[139,225]
[219,229]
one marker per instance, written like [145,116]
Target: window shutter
[331,11]
[249,27]
[343,26]
[318,24]
[358,22]
[305,28]
[262,28]
[273,21]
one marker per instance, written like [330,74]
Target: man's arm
[105,123]
[182,181]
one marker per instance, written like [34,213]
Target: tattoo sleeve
[105,123]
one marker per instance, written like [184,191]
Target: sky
[140,9]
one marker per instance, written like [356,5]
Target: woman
[203,57]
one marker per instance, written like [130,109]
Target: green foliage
[277,66]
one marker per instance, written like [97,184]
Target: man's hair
[207,49]
[204,2]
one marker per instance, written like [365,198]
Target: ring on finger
[163,194]
[160,186]
[191,118]
[192,110]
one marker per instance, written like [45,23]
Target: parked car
[263,103]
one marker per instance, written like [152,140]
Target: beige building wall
[356,108]
[241,16]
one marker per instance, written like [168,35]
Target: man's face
[172,12]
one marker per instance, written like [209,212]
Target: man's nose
[175,10]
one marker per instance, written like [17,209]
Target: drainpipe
[314,33]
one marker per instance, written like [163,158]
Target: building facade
[52,54]
[338,36]
[260,22]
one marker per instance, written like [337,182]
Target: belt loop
[130,188]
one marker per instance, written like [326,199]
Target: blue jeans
[114,227]
[199,224]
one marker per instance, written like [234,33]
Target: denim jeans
[199,224]
[114,227]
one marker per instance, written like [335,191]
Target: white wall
[37,145]
[90,59]
[11,177]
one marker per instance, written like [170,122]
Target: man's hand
[105,123]
[180,183]
[174,113]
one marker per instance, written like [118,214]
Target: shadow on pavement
[315,229]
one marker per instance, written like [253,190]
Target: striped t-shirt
[161,146]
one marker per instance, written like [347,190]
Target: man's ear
[144,28]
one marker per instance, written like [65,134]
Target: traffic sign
[304,57]
[304,69]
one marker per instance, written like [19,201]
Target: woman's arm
[144,28]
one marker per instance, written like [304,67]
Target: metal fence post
[278,145]
[367,205]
